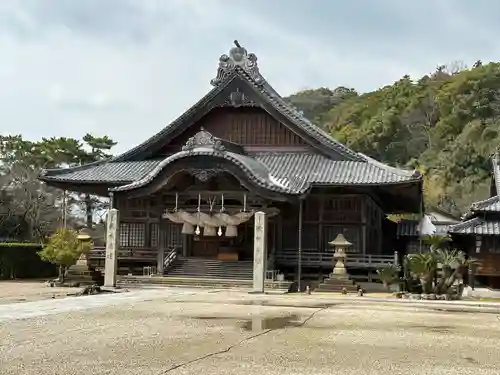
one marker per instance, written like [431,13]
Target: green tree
[32,204]
[447,123]
[99,149]
[63,249]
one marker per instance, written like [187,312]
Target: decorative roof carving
[239,99]
[203,139]
[238,58]
[204,175]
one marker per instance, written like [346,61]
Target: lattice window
[132,234]
[342,209]
[153,235]
[173,235]
[124,234]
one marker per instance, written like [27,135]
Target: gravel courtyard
[179,331]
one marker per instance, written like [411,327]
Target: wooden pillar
[160,257]
[112,243]
[364,219]
[299,265]
[279,234]
[322,201]
[186,244]
[259,252]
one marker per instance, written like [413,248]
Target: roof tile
[296,170]
[477,226]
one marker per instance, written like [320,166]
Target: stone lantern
[83,237]
[339,246]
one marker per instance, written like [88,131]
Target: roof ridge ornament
[203,139]
[238,58]
[238,99]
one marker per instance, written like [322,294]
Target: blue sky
[126,68]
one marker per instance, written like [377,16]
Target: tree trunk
[441,287]
[62,271]
[88,209]
[386,285]
[426,282]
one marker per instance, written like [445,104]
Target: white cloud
[127,67]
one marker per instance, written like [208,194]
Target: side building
[478,234]
[410,232]
[189,191]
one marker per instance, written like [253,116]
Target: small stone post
[259,252]
[112,243]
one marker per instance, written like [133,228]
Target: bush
[21,261]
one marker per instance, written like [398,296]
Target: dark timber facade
[242,147]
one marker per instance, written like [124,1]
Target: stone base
[84,276]
[337,283]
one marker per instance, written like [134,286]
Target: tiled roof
[410,228]
[477,226]
[294,170]
[113,173]
[229,70]
[489,205]
[319,170]
[253,168]
[297,171]
[269,95]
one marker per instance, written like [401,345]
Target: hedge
[20,261]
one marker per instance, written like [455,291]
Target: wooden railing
[138,254]
[169,258]
[311,258]
[487,264]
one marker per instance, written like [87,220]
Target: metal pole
[299,266]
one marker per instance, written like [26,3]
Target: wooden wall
[246,126]
[325,216]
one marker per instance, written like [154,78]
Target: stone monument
[259,252]
[112,243]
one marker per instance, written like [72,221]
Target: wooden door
[205,249]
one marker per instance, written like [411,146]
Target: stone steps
[210,268]
[337,283]
[198,282]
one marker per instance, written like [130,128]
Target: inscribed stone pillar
[259,252]
[112,243]
[160,260]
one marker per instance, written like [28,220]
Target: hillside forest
[446,124]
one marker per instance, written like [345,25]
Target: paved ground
[22,291]
[181,331]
